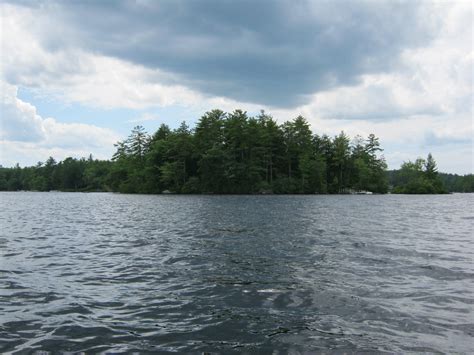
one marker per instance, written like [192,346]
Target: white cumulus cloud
[26,137]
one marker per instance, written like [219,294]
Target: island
[234,153]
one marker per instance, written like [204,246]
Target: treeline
[224,153]
[458,183]
[422,177]
[235,153]
[416,178]
[68,175]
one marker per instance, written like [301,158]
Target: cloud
[72,75]
[96,61]
[145,117]
[401,70]
[269,53]
[432,80]
[26,137]
[425,105]
[19,120]
[438,139]
[379,97]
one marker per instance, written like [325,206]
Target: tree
[138,143]
[431,171]
[420,177]
[271,141]
[313,174]
[225,153]
[340,160]
[210,130]
[162,133]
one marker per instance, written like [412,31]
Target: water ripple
[122,273]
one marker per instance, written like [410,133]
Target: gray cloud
[271,53]
[432,138]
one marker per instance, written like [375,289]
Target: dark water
[109,272]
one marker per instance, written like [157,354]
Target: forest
[233,153]
[422,177]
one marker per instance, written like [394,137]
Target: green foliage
[225,153]
[457,183]
[419,177]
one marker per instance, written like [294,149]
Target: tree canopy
[419,177]
[233,153]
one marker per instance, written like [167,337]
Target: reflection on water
[109,272]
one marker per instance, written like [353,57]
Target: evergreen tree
[340,161]
[431,171]
[233,153]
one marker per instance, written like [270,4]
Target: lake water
[109,272]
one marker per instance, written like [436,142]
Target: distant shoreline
[234,153]
[234,194]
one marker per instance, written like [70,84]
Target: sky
[76,76]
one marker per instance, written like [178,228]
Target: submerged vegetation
[232,153]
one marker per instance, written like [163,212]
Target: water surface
[110,272]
